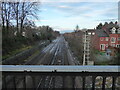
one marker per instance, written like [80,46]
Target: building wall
[95,42]
[119,38]
[99,42]
[105,42]
[116,42]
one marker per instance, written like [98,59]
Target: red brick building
[102,39]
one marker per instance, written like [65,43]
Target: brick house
[104,38]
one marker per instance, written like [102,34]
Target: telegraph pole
[86,52]
[84,49]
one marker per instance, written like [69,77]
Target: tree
[28,10]
[2,15]
[116,22]
[111,23]
[6,15]
[19,12]
[15,7]
[77,27]
[106,23]
[99,26]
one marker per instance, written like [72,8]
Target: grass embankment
[14,42]
[32,56]
[25,54]
[75,44]
[16,51]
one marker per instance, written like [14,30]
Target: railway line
[59,58]
[55,53]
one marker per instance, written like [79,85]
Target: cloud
[70,9]
[84,9]
[46,1]
[94,10]
[111,12]
[44,20]
[64,6]
[79,0]
[112,19]
[86,14]
[40,20]
[44,9]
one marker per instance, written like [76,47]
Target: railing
[24,76]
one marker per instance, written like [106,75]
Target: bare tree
[15,13]
[28,9]
[7,12]
[6,15]
[2,14]
[19,12]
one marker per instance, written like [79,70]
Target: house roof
[91,30]
[101,33]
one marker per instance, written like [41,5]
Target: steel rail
[52,62]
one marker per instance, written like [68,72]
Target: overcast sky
[65,16]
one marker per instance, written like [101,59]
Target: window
[101,39]
[106,38]
[102,47]
[106,45]
[113,30]
[113,39]
[93,33]
[118,45]
[118,38]
[113,45]
[89,33]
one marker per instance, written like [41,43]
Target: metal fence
[10,76]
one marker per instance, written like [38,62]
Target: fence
[10,71]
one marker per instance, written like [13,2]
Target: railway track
[55,53]
[58,59]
